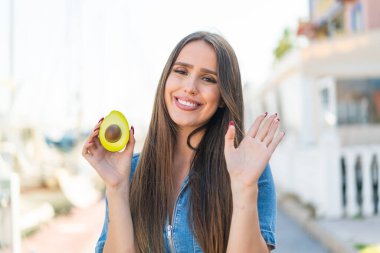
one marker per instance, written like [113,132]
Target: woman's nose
[191,87]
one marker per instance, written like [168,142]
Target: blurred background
[64,64]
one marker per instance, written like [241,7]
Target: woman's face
[192,93]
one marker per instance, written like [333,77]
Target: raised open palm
[247,162]
[113,167]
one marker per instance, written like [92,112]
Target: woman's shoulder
[135,160]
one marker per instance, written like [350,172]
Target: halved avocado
[114,132]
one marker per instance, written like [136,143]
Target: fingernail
[101,119]
[278,119]
[232,123]
[265,114]
[275,114]
[133,130]
[96,129]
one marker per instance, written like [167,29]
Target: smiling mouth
[186,104]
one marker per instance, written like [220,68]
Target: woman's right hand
[112,167]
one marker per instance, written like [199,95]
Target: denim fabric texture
[179,238]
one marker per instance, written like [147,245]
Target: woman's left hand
[247,162]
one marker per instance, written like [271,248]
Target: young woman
[200,183]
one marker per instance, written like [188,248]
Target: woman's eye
[209,79]
[180,71]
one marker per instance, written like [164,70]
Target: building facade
[328,96]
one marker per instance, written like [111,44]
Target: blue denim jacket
[179,238]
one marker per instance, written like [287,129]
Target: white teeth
[187,103]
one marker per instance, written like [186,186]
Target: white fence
[9,210]
[335,181]
[360,185]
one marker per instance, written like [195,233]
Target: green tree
[284,44]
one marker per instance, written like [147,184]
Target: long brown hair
[211,198]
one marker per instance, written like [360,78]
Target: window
[358,101]
[357,24]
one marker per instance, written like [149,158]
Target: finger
[96,141]
[229,138]
[256,125]
[92,138]
[273,128]
[89,145]
[131,143]
[86,149]
[97,126]
[262,133]
[273,145]
[93,135]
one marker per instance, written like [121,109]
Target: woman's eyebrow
[191,66]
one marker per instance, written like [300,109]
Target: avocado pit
[113,133]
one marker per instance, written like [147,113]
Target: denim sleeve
[103,235]
[267,207]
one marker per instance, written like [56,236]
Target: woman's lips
[186,104]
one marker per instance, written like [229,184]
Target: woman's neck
[183,154]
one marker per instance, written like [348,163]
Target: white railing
[9,210]
[336,181]
[359,167]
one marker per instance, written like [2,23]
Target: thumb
[229,139]
[131,143]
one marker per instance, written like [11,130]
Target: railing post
[343,187]
[359,183]
[352,207]
[375,183]
[367,189]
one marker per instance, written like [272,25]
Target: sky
[75,61]
[252,27]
